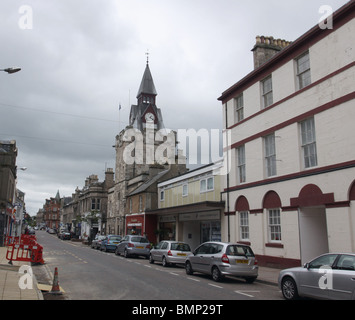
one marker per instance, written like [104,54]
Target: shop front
[194,223]
[141,225]
[199,227]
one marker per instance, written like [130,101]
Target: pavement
[10,276]
[10,280]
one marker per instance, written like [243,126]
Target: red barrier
[24,248]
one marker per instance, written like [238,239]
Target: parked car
[96,243]
[132,245]
[51,231]
[65,236]
[110,242]
[329,276]
[220,259]
[170,252]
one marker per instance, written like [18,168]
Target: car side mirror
[306,265]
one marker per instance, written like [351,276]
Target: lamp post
[11,70]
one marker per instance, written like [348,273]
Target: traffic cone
[55,286]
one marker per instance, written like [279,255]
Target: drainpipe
[227,145]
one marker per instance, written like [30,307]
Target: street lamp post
[11,70]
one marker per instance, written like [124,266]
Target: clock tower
[146,111]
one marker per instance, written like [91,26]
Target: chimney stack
[265,48]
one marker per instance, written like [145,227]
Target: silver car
[170,252]
[220,259]
[132,245]
[329,276]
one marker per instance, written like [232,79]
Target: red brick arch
[242,204]
[271,200]
[312,195]
[352,192]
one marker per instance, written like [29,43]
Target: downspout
[227,146]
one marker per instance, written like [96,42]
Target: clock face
[149,117]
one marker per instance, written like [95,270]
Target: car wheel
[116,252]
[188,268]
[164,262]
[125,253]
[151,260]
[289,288]
[216,274]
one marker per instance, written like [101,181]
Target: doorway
[313,232]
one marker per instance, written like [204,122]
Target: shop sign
[209,215]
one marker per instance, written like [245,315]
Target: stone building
[8,155]
[145,153]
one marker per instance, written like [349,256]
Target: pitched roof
[149,182]
[147,84]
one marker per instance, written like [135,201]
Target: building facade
[8,170]
[85,214]
[291,186]
[145,153]
[190,207]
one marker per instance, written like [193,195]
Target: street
[88,274]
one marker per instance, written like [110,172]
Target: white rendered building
[290,192]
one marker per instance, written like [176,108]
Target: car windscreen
[180,247]
[115,238]
[139,239]
[235,250]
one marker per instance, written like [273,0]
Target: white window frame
[204,182]
[241,164]
[244,226]
[267,93]
[308,143]
[185,190]
[303,71]
[239,108]
[270,155]
[274,225]
[162,195]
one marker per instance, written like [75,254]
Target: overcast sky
[81,59]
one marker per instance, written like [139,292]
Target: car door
[163,251]
[121,246]
[343,281]
[314,278]
[155,252]
[200,260]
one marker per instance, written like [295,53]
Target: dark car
[65,236]
[110,242]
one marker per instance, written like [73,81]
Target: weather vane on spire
[147,54]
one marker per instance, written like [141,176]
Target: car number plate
[242,261]
[181,254]
[140,247]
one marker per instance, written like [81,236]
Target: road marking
[194,279]
[214,285]
[245,294]
[175,274]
